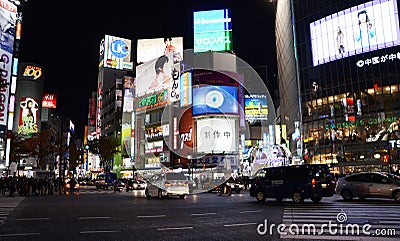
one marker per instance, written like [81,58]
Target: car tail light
[185,183]
[313,181]
[168,184]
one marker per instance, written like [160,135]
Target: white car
[167,184]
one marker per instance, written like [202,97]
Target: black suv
[298,182]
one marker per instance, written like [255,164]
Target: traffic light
[386,158]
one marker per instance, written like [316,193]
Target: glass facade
[350,101]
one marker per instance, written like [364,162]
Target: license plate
[323,185]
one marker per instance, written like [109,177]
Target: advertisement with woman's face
[370,26]
[28,116]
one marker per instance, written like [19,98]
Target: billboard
[154,75]
[8,16]
[30,71]
[186,89]
[256,107]
[28,116]
[366,27]
[129,92]
[212,30]
[215,100]
[115,53]
[149,49]
[49,100]
[216,135]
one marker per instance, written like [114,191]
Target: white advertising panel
[149,49]
[8,15]
[366,27]
[216,135]
[117,53]
[175,90]
[154,75]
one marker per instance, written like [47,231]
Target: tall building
[338,74]
[114,64]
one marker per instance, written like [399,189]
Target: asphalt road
[105,215]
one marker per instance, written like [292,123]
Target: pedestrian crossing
[341,221]
[7,205]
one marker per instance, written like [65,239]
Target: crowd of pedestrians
[28,186]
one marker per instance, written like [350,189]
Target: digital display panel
[256,107]
[212,30]
[215,100]
[149,49]
[366,27]
[216,135]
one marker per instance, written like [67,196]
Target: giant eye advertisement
[215,100]
[366,27]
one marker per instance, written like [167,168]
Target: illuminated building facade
[343,73]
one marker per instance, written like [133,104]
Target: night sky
[64,36]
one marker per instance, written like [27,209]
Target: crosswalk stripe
[379,217]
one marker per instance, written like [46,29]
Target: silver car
[369,185]
[167,184]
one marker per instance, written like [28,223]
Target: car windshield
[393,176]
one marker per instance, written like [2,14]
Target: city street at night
[106,215]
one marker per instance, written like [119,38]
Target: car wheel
[182,196]
[396,196]
[297,197]
[346,195]
[261,196]
[160,194]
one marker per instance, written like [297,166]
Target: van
[297,182]
[105,180]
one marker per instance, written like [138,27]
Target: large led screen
[256,107]
[154,75]
[28,116]
[216,135]
[148,49]
[363,28]
[212,30]
[215,100]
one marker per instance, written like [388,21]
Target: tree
[105,147]
[75,154]
[40,146]
[17,147]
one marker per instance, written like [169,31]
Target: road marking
[176,228]
[99,231]
[252,211]
[152,216]
[202,214]
[239,224]
[83,218]
[30,219]
[18,234]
